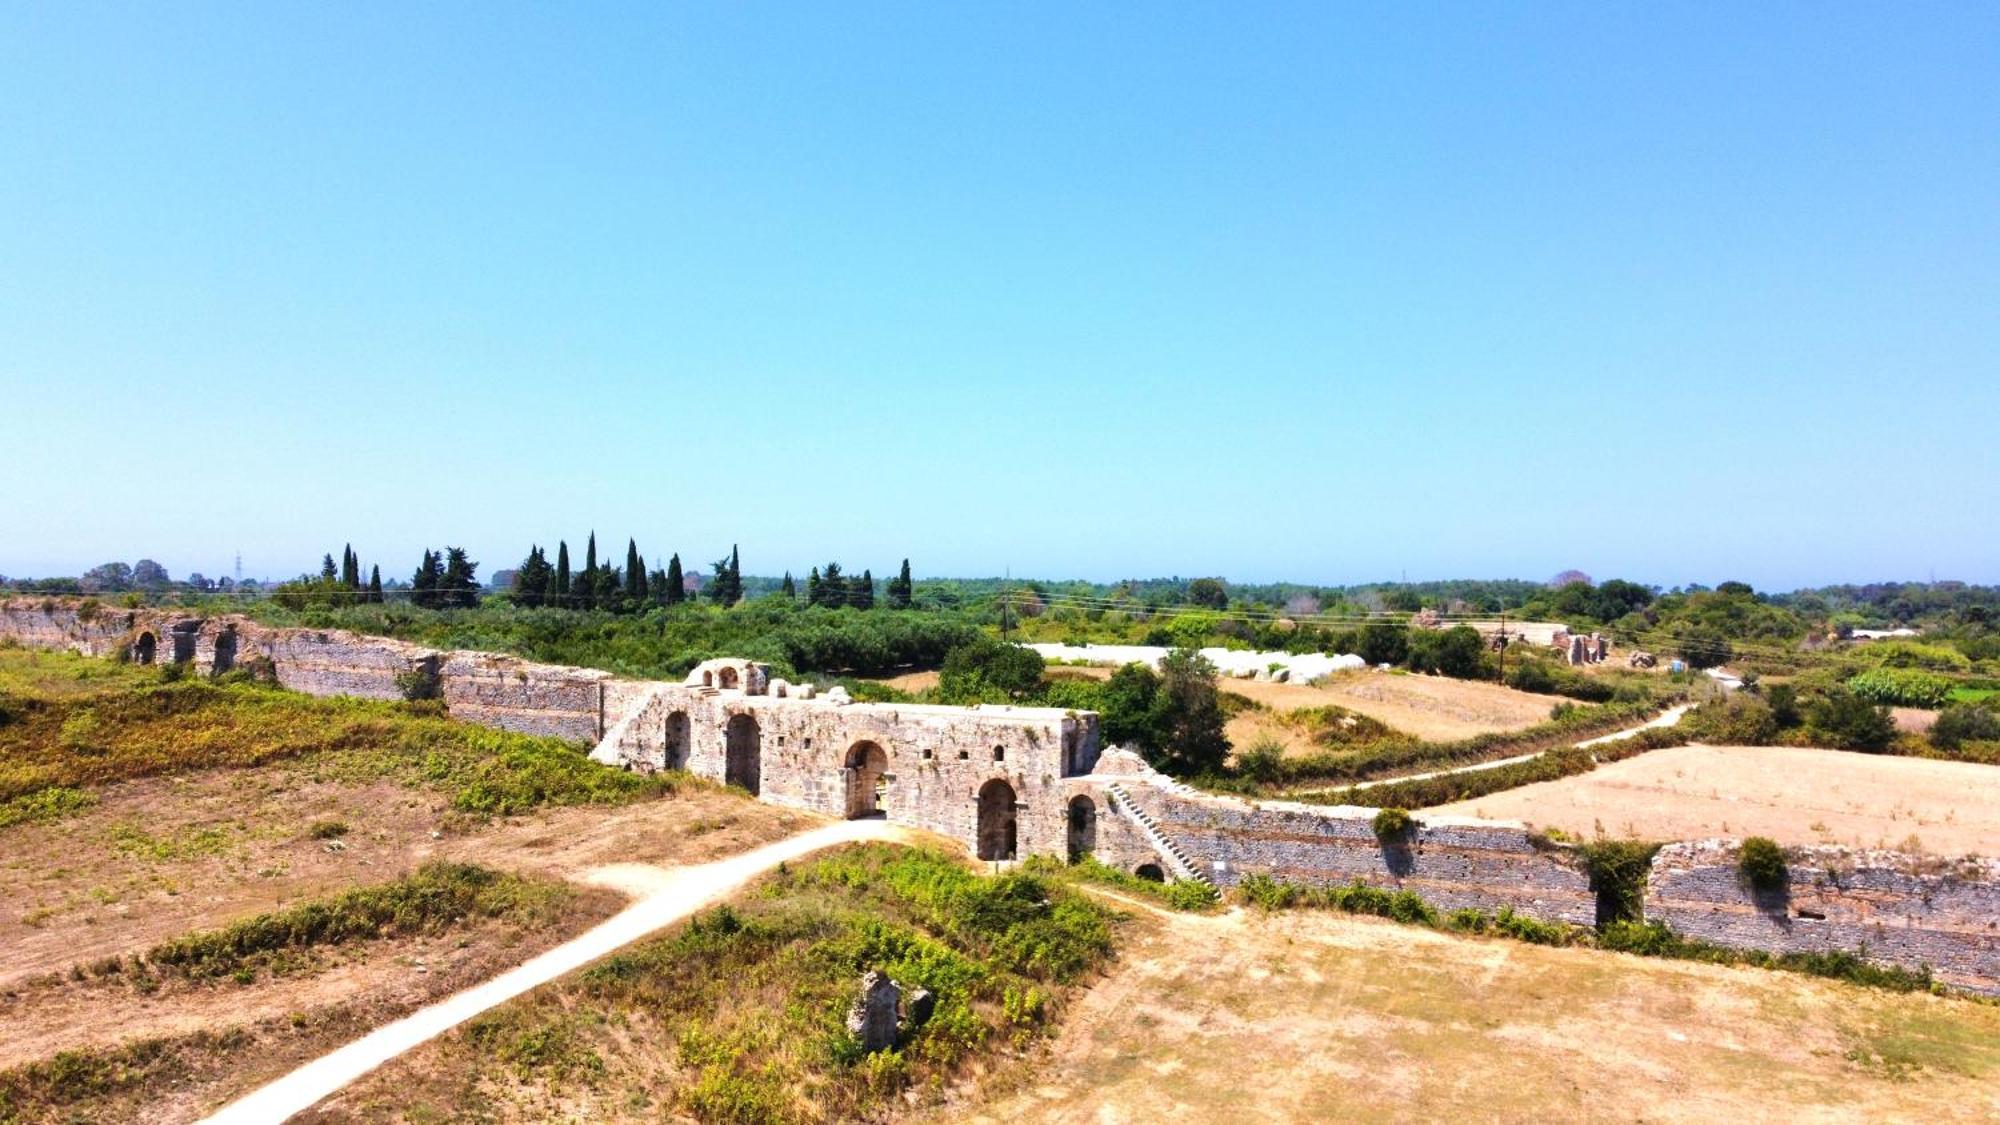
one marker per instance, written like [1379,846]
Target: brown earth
[1794,796]
[1430,707]
[1317,1017]
[165,856]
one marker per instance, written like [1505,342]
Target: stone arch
[674,740]
[867,778]
[225,652]
[1082,827]
[998,831]
[743,753]
[1150,872]
[145,649]
[183,634]
[725,678]
[708,679]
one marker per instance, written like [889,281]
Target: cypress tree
[562,580]
[635,572]
[861,591]
[814,590]
[586,591]
[789,589]
[735,577]
[326,571]
[457,587]
[676,591]
[375,585]
[424,583]
[901,588]
[350,568]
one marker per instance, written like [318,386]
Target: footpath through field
[1666,718]
[668,896]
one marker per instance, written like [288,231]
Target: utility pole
[1503,645]
[1006,598]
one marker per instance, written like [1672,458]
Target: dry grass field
[1794,796]
[1430,707]
[1316,1017]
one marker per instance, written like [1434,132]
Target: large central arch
[743,753]
[997,831]
[674,741]
[867,778]
[145,649]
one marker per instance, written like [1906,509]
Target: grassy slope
[69,723]
[739,1016]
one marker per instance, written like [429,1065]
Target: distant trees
[988,669]
[533,579]
[727,588]
[1174,716]
[1208,593]
[676,584]
[789,588]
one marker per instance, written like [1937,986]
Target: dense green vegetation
[740,1014]
[74,723]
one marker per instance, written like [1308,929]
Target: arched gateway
[867,779]
[743,753]
[997,832]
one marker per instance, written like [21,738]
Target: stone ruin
[874,1017]
[1579,649]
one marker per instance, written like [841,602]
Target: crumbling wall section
[1893,907]
[1451,863]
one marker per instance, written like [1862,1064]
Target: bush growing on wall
[1761,864]
[1394,826]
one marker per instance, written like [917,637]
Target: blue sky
[1318,292]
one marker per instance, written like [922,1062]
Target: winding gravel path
[666,896]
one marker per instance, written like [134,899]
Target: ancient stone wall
[1451,863]
[1904,909]
[1010,782]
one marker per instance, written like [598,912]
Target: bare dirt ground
[1794,796]
[166,856]
[1316,1017]
[1430,707]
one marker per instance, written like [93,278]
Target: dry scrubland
[1792,795]
[1434,708]
[300,801]
[1314,1017]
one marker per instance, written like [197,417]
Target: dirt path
[670,896]
[1666,719]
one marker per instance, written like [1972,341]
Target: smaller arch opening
[1150,872]
[726,679]
[145,649]
[999,753]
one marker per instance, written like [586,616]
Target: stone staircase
[1178,864]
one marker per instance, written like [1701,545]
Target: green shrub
[1901,687]
[1962,723]
[1760,863]
[1733,720]
[327,830]
[1394,826]
[1848,722]
[1618,870]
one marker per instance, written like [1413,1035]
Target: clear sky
[1321,292]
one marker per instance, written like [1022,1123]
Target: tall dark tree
[901,590]
[531,581]
[676,591]
[375,585]
[585,592]
[635,573]
[789,588]
[727,589]
[815,589]
[832,586]
[327,573]
[350,568]
[425,582]
[861,591]
[457,588]
[563,582]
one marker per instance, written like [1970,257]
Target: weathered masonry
[1008,782]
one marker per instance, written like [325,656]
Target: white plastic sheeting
[1300,667]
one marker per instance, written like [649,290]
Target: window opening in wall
[929,753]
[809,743]
[963,756]
[999,753]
